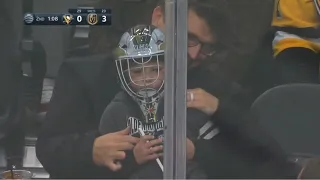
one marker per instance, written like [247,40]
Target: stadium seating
[291,114]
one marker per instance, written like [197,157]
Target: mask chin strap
[149,106]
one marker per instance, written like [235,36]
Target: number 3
[104,18]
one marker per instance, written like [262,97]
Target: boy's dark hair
[217,14]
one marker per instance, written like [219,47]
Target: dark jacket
[85,87]
[123,112]
[12,116]
[10,80]
[249,151]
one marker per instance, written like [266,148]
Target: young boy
[140,66]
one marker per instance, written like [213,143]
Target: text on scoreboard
[73,17]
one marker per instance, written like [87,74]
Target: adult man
[69,145]
[11,110]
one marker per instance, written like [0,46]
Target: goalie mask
[140,66]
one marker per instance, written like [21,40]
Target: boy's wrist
[190,149]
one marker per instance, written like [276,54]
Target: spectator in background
[6,60]
[11,109]
[70,145]
[296,44]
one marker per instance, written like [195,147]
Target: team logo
[28,18]
[92,18]
[141,37]
[141,42]
[67,18]
[149,111]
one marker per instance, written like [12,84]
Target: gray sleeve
[114,117]
[195,121]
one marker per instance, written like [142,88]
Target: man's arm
[210,152]
[196,120]
[65,144]
[253,142]
[199,127]
[116,115]
[248,151]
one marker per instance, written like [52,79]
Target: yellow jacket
[296,23]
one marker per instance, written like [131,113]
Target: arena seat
[291,114]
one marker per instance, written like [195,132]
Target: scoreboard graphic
[92,17]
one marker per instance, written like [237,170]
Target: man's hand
[110,148]
[147,149]
[202,100]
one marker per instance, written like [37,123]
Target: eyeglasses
[207,49]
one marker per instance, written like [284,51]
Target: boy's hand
[147,149]
[190,149]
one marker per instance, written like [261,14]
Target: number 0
[79,18]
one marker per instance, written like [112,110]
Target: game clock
[92,17]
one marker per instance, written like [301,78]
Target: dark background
[251,20]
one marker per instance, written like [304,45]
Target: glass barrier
[176,12]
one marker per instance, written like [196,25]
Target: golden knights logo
[150,112]
[141,36]
[92,19]
[141,40]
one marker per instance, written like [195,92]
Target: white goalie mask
[140,66]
